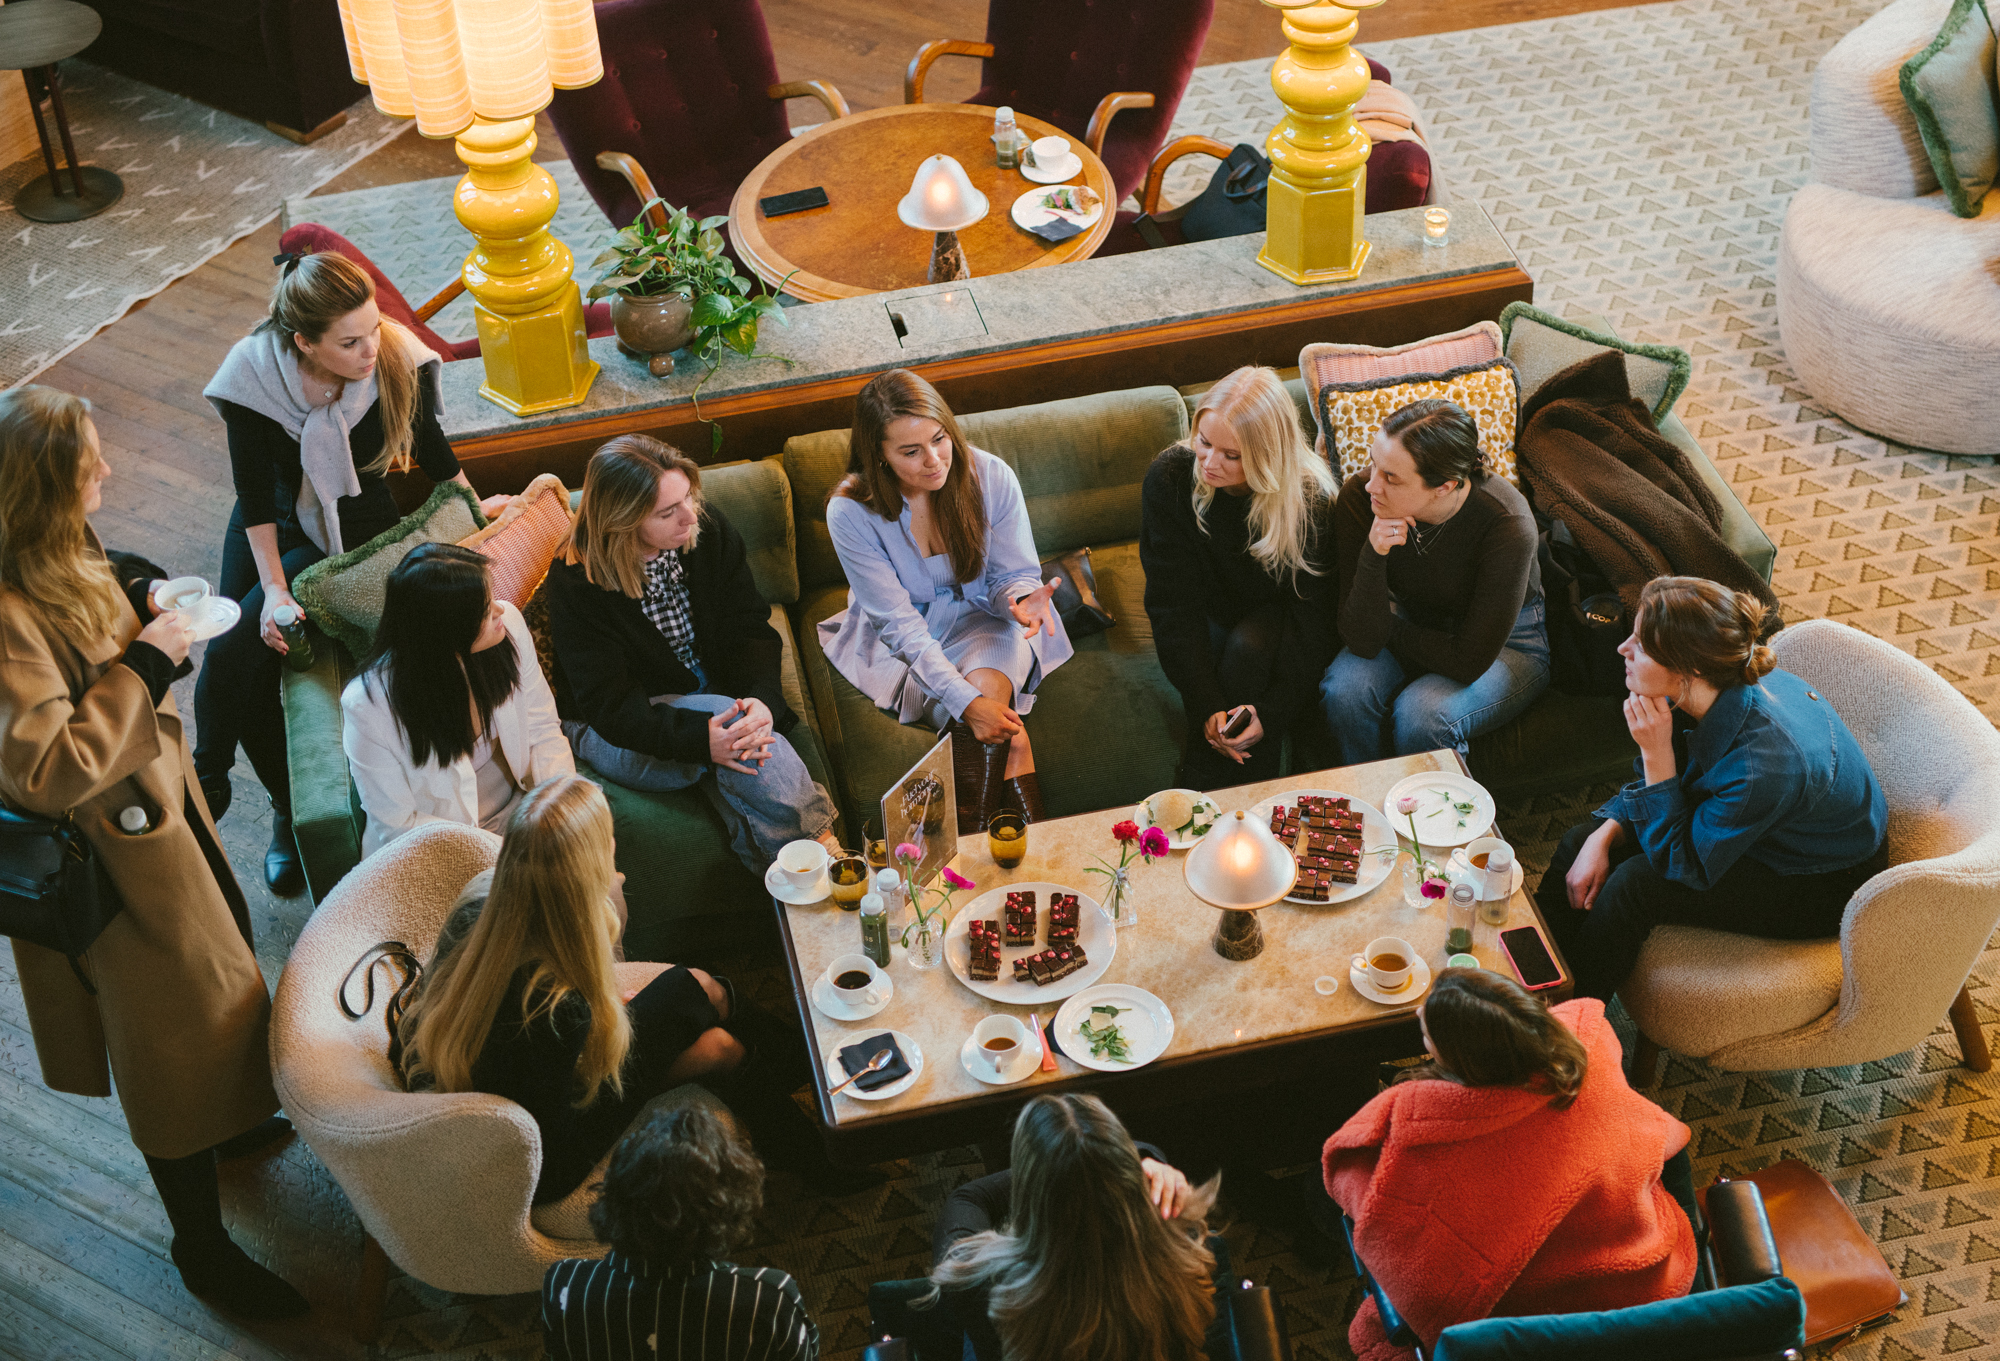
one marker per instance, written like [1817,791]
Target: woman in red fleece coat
[1516,1173]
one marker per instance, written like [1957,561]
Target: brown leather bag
[1846,1281]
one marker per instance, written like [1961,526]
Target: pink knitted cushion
[525,539]
[1323,365]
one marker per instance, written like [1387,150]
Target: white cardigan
[399,796]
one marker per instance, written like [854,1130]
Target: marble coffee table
[1236,1025]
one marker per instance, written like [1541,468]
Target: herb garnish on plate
[1107,1041]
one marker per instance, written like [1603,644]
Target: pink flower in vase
[1153,843]
[1433,888]
[955,879]
[907,852]
[1407,804]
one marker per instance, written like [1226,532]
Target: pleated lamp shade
[445,61]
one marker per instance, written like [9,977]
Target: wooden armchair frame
[1100,117]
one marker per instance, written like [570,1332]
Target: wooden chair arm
[823,91]
[920,65]
[1107,107]
[1156,173]
[444,295]
[636,176]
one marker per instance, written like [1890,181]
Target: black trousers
[236,698]
[1250,657]
[1750,899]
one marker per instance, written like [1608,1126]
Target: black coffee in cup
[850,981]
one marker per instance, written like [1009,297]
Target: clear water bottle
[1008,139]
[1498,881]
[889,888]
[1458,915]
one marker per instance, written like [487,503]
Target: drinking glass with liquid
[1007,839]
[849,875]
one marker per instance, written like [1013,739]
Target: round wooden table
[865,162]
[34,36]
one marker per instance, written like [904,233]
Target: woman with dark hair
[321,402]
[1514,1173]
[451,719]
[682,1191]
[947,619]
[1440,597]
[1755,810]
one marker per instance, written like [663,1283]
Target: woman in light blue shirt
[947,619]
[1755,811]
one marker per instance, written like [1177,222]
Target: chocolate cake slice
[1063,918]
[1058,961]
[984,937]
[1019,914]
[1311,892]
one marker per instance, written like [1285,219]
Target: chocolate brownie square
[1063,919]
[1019,914]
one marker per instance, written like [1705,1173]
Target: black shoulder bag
[53,891]
[1587,620]
[392,955]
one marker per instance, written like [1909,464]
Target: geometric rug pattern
[196,179]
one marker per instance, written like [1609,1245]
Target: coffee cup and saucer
[798,876]
[852,989]
[1050,161]
[1000,1051]
[1390,972]
[207,614]
[1468,866]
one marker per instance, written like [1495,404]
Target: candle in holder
[1007,839]
[1437,226]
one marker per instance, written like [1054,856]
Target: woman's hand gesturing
[1032,610]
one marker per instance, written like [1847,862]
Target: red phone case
[1531,987]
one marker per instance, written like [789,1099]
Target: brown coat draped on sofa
[181,1011]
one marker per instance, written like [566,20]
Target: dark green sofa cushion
[1742,1321]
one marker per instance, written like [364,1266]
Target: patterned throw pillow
[1323,365]
[525,539]
[1354,412]
[343,594]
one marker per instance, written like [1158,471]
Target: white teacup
[802,863]
[1388,963]
[1050,152]
[996,1042]
[856,982]
[181,593]
[1491,882]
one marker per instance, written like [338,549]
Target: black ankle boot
[283,870]
[212,1267]
[217,791]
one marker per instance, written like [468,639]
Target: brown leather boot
[1024,796]
[978,772]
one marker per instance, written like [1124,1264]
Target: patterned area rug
[196,179]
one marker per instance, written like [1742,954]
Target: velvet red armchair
[1108,72]
[691,93]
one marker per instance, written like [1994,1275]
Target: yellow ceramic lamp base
[530,314]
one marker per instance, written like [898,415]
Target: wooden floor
[83,1261]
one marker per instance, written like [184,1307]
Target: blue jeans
[779,803]
[1376,710]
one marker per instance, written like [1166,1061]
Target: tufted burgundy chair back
[683,93]
[1054,59]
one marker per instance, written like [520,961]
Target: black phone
[795,202]
[1235,726]
[1529,955]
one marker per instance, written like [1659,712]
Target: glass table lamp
[1240,868]
[942,200]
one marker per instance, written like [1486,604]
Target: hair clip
[287,260]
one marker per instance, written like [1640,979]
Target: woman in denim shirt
[1755,812]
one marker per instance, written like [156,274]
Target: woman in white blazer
[451,720]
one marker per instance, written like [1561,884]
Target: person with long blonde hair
[167,1007]
[1755,810]
[671,673]
[320,402]
[1236,541]
[948,620]
[1088,1248]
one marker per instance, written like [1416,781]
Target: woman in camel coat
[89,727]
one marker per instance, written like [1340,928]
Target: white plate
[835,1074]
[1066,169]
[1437,824]
[213,617]
[1094,932]
[832,1007]
[1420,981]
[1027,1058]
[1032,210]
[781,888]
[1143,815]
[1148,1026]
[1378,843]
[1459,870]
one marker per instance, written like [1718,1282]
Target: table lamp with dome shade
[1240,868]
[942,200]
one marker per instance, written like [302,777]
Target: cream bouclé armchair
[1912,933]
[442,1182]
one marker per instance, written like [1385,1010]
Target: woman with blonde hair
[320,402]
[671,674]
[1522,1139]
[948,619]
[167,1007]
[1755,810]
[1235,537]
[1088,1248]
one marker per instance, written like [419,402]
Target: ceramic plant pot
[653,328]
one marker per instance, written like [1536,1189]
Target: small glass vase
[923,945]
[1121,900]
[1419,872]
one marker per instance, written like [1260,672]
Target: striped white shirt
[624,1309]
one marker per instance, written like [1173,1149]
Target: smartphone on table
[1528,954]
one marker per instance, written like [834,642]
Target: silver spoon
[875,1065]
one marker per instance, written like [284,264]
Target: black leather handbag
[53,891]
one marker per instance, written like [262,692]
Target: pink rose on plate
[955,879]
[1153,843]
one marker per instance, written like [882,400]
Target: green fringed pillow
[343,594]
[1542,344]
[1950,88]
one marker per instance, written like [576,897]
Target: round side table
[34,36]
[856,244]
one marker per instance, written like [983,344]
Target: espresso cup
[182,593]
[802,863]
[996,1042]
[1050,152]
[1387,963]
[1491,883]
[855,981]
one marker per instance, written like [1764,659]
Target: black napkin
[1049,1034]
[856,1057]
[1057,229]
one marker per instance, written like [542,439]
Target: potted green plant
[672,287]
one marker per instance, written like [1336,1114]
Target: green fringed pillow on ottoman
[343,595]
